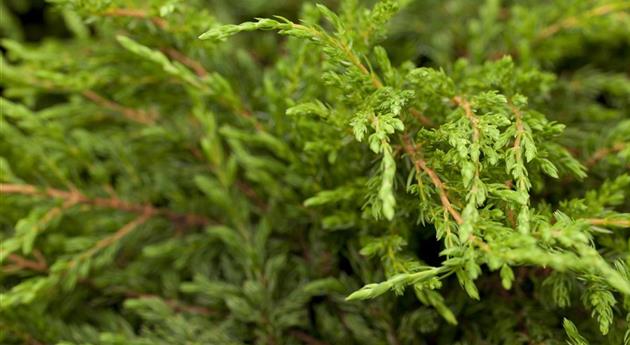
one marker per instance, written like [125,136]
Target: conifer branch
[177,306]
[510,212]
[174,54]
[470,115]
[139,116]
[249,192]
[115,237]
[356,61]
[518,170]
[174,304]
[604,152]
[421,166]
[135,13]
[75,197]
[474,123]
[421,117]
[40,265]
[376,82]
[317,193]
[350,55]
[472,182]
[195,65]
[520,131]
[609,222]
[50,215]
[574,21]
[20,262]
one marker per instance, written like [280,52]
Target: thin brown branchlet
[74,197]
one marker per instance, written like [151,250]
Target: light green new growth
[360,172]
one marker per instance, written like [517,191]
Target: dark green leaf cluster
[355,172]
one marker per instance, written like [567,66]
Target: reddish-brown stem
[249,192]
[135,13]
[421,118]
[196,66]
[136,115]
[474,121]
[520,131]
[75,197]
[421,166]
[604,152]
[20,262]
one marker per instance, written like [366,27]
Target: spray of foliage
[391,172]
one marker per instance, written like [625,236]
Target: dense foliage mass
[359,172]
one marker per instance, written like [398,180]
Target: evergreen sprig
[374,174]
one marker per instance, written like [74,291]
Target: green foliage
[362,172]
[574,337]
